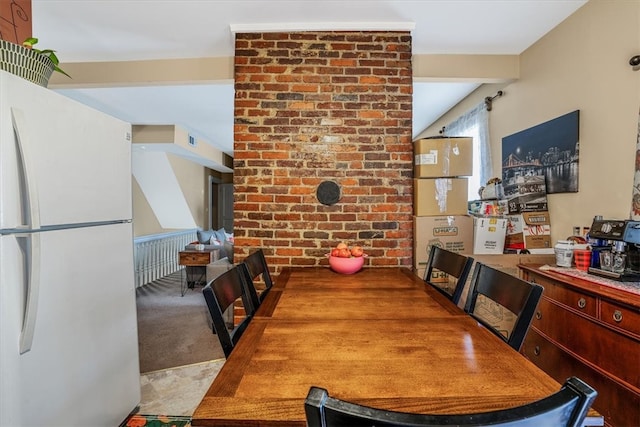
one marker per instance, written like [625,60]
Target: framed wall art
[635,201]
[550,149]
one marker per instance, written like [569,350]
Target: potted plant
[26,61]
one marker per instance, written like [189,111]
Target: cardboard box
[488,235]
[443,157]
[488,207]
[440,196]
[530,231]
[454,233]
[525,193]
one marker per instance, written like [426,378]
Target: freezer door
[82,368]
[72,161]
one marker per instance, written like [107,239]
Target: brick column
[323,106]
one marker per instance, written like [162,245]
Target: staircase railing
[156,255]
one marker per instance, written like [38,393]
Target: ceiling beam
[432,68]
[144,73]
[466,68]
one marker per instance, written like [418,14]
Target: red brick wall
[316,106]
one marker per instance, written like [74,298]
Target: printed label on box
[489,235]
[529,230]
[430,158]
[453,233]
[525,193]
[443,157]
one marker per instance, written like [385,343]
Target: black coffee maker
[615,245]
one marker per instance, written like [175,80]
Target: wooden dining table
[381,337]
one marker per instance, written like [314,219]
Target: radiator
[156,255]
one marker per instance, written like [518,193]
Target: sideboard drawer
[614,352]
[584,303]
[583,329]
[621,317]
[619,404]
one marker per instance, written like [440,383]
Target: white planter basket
[25,63]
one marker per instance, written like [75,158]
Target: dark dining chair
[566,408]
[220,295]
[514,294]
[455,265]
[257,270]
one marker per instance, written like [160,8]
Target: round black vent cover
[328,193]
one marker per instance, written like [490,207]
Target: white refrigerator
[68,329]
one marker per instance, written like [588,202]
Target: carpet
[173,330]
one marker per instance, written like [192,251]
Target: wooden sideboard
[585,328]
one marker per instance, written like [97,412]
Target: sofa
[215,239]
[218,239]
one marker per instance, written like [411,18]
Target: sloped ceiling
[142,30]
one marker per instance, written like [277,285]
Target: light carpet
[173,330]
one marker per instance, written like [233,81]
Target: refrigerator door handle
[31,209]
[32,290]
[30,202]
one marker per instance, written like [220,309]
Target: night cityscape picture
[550,149]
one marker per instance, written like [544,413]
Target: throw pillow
[220,235]
[204,236]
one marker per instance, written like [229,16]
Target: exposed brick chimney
[323,106]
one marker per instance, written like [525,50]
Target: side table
[195,267]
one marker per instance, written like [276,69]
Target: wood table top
[417,352]
[385,293]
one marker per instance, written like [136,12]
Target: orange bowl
[346,265]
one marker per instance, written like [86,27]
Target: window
[475,124]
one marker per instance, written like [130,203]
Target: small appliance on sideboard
[616,247]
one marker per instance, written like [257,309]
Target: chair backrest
[455,265]
[516,295]
[256,266]
[220,294]
[567,407]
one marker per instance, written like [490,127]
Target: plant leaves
[49,53]
[30,42]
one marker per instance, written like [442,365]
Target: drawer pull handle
[536,350]
[582,303]
[538,315]
[617,316]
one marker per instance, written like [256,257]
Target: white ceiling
[124,30]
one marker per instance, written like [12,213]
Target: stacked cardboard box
[454,233]
[529,224]
[530,231]
[490,223]
[525,193]
[441,168]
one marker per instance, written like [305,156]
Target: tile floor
[177,391]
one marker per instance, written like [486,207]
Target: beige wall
[193,181]
[144,221]
[580,65]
